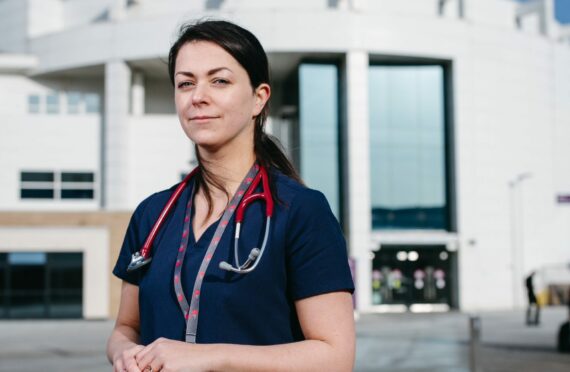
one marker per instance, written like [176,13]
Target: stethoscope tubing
[142,257]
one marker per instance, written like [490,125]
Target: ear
[261,95]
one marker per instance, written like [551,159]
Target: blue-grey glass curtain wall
[319,130]
[408,147]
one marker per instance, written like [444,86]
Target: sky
[561,10]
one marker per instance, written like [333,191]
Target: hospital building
[439,131]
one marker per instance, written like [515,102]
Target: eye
[184,84]
[220,81]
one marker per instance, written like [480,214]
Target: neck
[227,166]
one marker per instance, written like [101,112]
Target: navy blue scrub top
[305,256]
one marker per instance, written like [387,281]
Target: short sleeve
[316,249]
[131,244]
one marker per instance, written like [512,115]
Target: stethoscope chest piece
[138,261]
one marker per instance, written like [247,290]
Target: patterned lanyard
[190,311]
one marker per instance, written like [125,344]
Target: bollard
[474,343]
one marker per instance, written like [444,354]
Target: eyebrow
[210,72]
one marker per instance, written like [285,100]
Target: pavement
[385,342]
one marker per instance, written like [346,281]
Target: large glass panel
[40,285]
[27,283]
[66,284]
[407,147]
[409,275]
[318,127]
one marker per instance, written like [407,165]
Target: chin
[208,144]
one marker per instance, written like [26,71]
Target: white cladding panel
[44,16]
[159,154]
[45,142]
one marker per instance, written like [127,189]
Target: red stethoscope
[142,257]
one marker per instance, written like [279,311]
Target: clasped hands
[165,355]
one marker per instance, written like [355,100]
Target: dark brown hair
[247,50]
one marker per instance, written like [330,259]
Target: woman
[293,311]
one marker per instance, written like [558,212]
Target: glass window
[34,104]
[36,194]
[73,102]
[77,194]
[77,185]
[92,103]
[77,177]
[52,103]
[37,185]
[407,147]
[36,176]
[319,130]
[42,185]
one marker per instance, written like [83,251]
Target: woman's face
[215,101]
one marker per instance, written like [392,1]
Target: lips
[202,118]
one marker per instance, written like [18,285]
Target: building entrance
[41,285]
[410,275]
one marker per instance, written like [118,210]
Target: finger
[140,354]
[146,355]
[118,366]
[152,368]
[131,366]
[145,361]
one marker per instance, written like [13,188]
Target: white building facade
[439,131]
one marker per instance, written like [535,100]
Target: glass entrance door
[408,275]
[41,285]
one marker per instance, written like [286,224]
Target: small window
[55,185]
[77,177]
[77,194]
[92,103]
[36,193]
[37,185]
[77,185]
[52,103]
[36,176]
[73,102]
[34,104]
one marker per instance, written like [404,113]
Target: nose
[199,94]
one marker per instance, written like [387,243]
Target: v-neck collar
[206,236]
